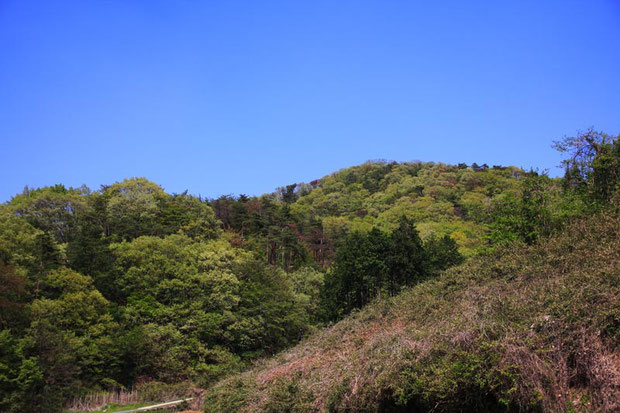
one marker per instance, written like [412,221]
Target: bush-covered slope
[526,328]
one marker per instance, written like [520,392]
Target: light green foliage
[312,220]
[18,239]
[540,208]
[79,315]
[180,293]
[52,209]
[137,207]
[196,301]
[467,234]
[68,344]
[446,198]
[307,283]
[132,207]
[176,269]
[188,215]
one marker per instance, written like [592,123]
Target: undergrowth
[526,328]
[143,394]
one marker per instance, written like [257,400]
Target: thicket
[377,264]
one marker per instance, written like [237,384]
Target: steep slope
[527,328]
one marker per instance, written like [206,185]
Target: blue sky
[223,97]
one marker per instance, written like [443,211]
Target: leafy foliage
[100,289]
[129,285]
[375,264]
[593,164]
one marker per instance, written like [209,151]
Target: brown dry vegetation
[527,328]
[150,392]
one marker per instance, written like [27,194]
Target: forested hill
[441,199]
[129,287]
[522,329]
[529,324]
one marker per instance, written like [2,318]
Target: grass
[143,394]
[526,328]
[113,407]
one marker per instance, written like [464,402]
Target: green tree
[188,215]
[269,316]
[88,252]
[13,296]
[537,211]
[132,208]
[21,379]
[190,304]
[18,240]
[359,273]
[51,209]
[443,253]
[307,283]
[593,164]
[407,260]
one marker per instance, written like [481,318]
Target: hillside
[525,328]
[113,288]
[129,290]
[442,199]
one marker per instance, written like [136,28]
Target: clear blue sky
[237,97]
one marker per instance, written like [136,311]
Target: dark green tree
[442,253]
[407,259]
[88,253]
[359,274]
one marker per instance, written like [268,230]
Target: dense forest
[129,286]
